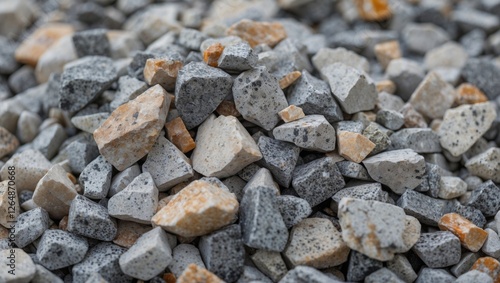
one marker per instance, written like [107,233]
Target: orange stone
[289,79]
[353,146]
[471,236]
[387,51]
[196,274]
[179,135]
[291,113]
[33,47]
[63,224]
[228,108]
[169,278]
[256,33]
[469,94]
[489,266]
[373,10]
[162,71]
[387,86]
[212,54]
[128,233]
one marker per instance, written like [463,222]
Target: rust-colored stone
[387,86]
[289,79]
[387,51]
[469,94]
[128,233]
[196,274]
[471,236]
[353,146]
[179,135]
[33,47]
[258,32]
[228,108]
[162,71]
[489,266]
[169,278]
[291,113]
[373,10]
[212,54]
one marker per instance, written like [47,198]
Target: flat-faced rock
[95,179]
[128,88]
[237,57]
[369,191]
[361,266]
[377,136]
[30,226]
[469,94]
[163,70]
[44,275]
[224,147]
[179,135]
[489,266]
[428,275]
[328,56]
[200,208]
[383,275]
[433,96]
[474,276]
[406,74]
[401,266]
[279,157]
[89,123]
[212,54]
[421,38]
[270,263]
[92,42]
[387,51]
[89,219]
[486,164]
[293,209]
[262,177]
[8,142]
[132,129]
[438,249]
[270,33]
[291,113]
[420,140]
[354,146]
[49,140]
[183,255]
[449,55]
[471,236]
[23,270]
[391,119]
[491,246]
[58,249]
[31,166]
[306,274]
[451,187]
[197,274]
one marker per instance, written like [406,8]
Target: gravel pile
[250,141]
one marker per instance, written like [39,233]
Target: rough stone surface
[30,226]
[383,275]
[279,157]
[89,123]
[438,249]
[491,246]
[25,268]
[433,96]
[47,141]
[128,88]
[237,57]
[361,266]
[489,266]
[471,236]
[354,146]
[291,113]
[31,165]
[183,255]
[92,42]
[486,165]
[293,209]
[327,56]
[406,74]
[163,71]
[421,38]
[482,73]
[270,263]
[451,187]
[434,275]
[179,135]
[95,179]
[420,140]
[258,32]
[90,219]
[474,276]
[196,274]
[58,249]
[306,274]
[391,119]
[401,266]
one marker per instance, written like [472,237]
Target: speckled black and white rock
[24,269]
[92,42]
[49,140]
[252,274]
[354,90]
[465,263]
[312,132]
[451,187]
[406,74]
[128,89]
[259,98]
[262,178]
[270,263]
[306,274]
[148,257]
[84,80]
[482,73]
[353,170]
[486,164]
[327,56]
[421,140]
[103,259]
[293,209]
[429,275]
[377,136]
[383,275]
[400,170]
[183,255]
[95,179]
[90,219]
[474,276]
[167,165]
[469,212]
[401,266]
[361,266]
[121,180]
[237,57]
[486,198]
[391,119]
[30,225]
[279,157]
[426,209]
[137,202]
[223,252]
[58,249]
[438,249]
[369,191]
[262,225]
[464,125]
[199,90]
[191,38]
[314,97]
[491,246]
[79,153]
[43,275]
[89,123]
[317,180]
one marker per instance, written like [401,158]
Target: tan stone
[228,108]
[9,204]
[291,113]
[196,274]
[63,224]
[373,10]
[200,208]
[469,94]
[223,147]
[353,146]
[471,236]
[4,232]
[256,33]
[212,53]
[169,278]
[162,71]
[179,135]
[8,142]
[489,266]
[54,192]
[289,79]
[128,232]
[33,47]
[54,59]
[132,129]
[387,51]
[387,86]
[433,96]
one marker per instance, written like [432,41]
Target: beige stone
[179,135]
[291,113]
[8,142]
[469,94]
[258,32]
[289,79]
[212,53]
[200,208]
[63,224]
[387,86]
[31,165]
[196,274]
[54,192]
[353,146]
[54,59]
[128,232]
[433,96]
[223,147]
[471,236]
[162,71]
[132,129]
[228,108]
[9,204]
[387,51]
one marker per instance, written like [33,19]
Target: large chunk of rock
[90,219]
[31,166]
[433,96]
[132,129]
[223,147]
[486,165]
[23,270]
[438,249]
[279,157]
[328,56]
[58,249]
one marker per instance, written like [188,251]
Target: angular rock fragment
[47,141]
[361,266]
[95,179]
[128,88]
[489,266]
[438,249]
[58,249]
[293,209]
[92,42]
[451,187]
[406,74]
[183,255]
[291,113]
[89,123]
[486,164]
[327,56]
[8,142]
[401,266]
[353,146]
[448,55]
[485,198]
[391,119]
[237,57]
[279,157]
[270,263]
[90,219]
[474,276]
[469,94]
[491,246]
[426,209]
[212,54]
[420,140]
[24,266]
[30,226]
[258,32]
[482,74]
[433,96]
[421,38]
[434,275]
[44,275]
[369,191]
[353,170]
[197,274]
[179,135]
[387,51]
[163,71]
[471,236]
[262,177]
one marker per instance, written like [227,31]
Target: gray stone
[438,249]
[49,140]
[306,274]
[470,19]
[261,223]
[8,63]
[103,259]
[420,140]
[58,249]
[482,74]
[474,276]
[24,269]
[312,132]
[353,170]
[492,245]
[42,275]
[237,57]
[183,255]
[95,179]
[433,96]
[465,263]
[92,42]
[474,42]
[270,263]
[148,257]
[369,191]
[389,101]
[317,180]
[400,170]
[79,153]
[486,165]
[223,253]
[349,126]
[432,180]
[167,165]
[451,187]
[199,90]
[251,275]
[279,157]
[136,68]
[430,275]
[421,38]
[84,80]
[258,97]
[354,90]
[327,56]
[236,185]
[191,38]
[293,209]
[377,136]
[90,219]
[383,275]
[426,209]
[314,97]
[122,179]
[89,123]
[128,88]
[486,198]
[391,119]
[361,266]
[469,212]
[137,202]
[30,226]
[401,266]
[248,172]
[448,55]
[22,79]
[406,74]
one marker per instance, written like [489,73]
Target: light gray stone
[95,179]
[448,55]
[438,249]
[24,269]
[27,126]
[183,255]
[433,96]
[270,263]
[474,276]
[391,119]
[420,140]
[121,180]
[486,165]
[237,57]
[406,74]
[49,140]
[421,38]
[327,56]
[451,187]
[89,123]
[43,275]
[90,219]
[58,249]
[401,266]
[30,226]
[383,275]
[279,157]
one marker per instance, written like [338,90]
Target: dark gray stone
[426,209]
[293,209]
[30,225]
[128,88]
[235,185]
[353,170]
[430,275]
[469,212]
[237,57]
[474,42]
[486,198]
[483,74]
[432,180]
[8,63]
[383,275]
[183,255]
[49,140]
[361,266]
[377,136]
[58,249]
[419,139]
[90,219]
[95,179]
[438,249]
[391,119]
[79,153]
[22,79]
[406,74]
[279,157]
[92,42]
[136,67]
[191,38]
